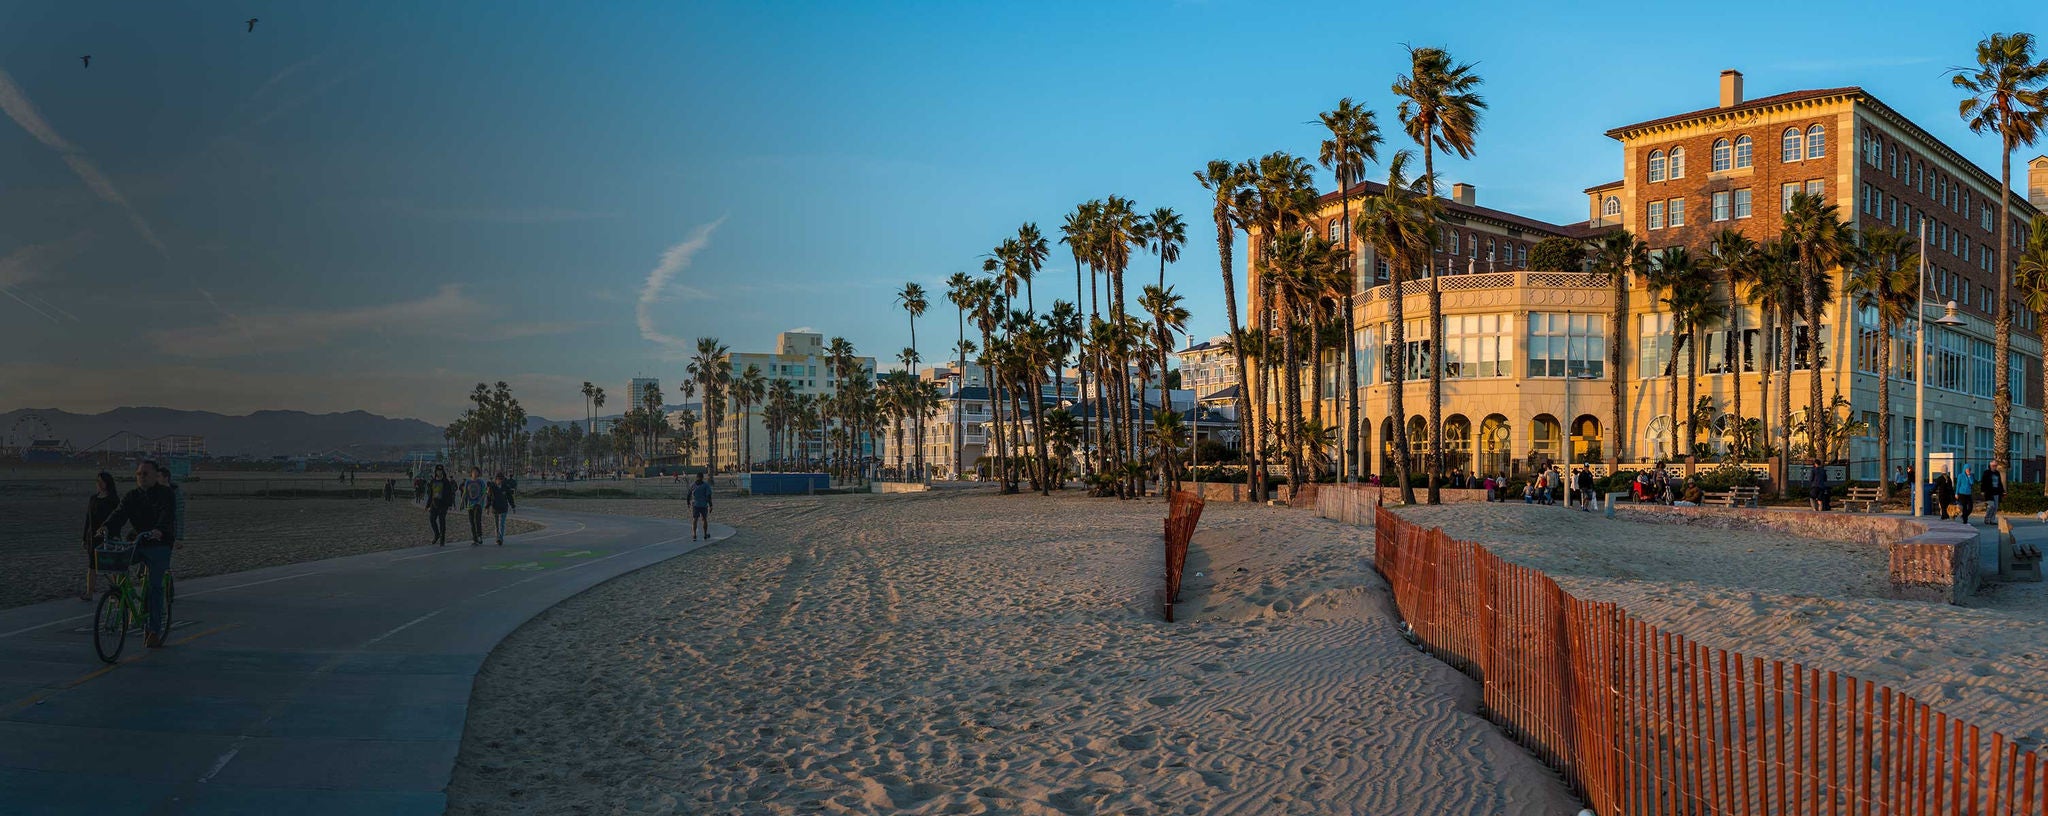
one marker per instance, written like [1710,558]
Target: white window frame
[1790,145]
[1817,142]
[1745,151]
[1656,166]
[1722,156]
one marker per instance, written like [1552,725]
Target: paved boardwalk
[337,686]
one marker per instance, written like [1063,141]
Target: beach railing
[1184,509]
[1642,721]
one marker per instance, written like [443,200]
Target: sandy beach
[935,653]
[1779,596]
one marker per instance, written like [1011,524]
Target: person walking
[1966,489]
[700,508]
[1585,488]
[499,497]
[473,501]
[390,489]
[1992,489]
[440,492]
[105,498]
[152,509]
[1817,490]
[1944,492]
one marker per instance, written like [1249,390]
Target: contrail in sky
[673,262]
[18,107]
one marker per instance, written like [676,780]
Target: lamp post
[1948,318]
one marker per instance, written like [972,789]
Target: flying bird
[87,59]
[252,25]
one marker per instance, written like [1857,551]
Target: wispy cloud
[23,111]
[34,262]
[659,286]
[529,215]
[448,313]
[236,336]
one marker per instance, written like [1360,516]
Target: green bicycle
[121,607]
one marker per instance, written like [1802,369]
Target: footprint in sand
[1164,700]
[1138,742]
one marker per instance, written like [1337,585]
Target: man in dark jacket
[440,497]
[1818,489]
[1992,489]
[152,509]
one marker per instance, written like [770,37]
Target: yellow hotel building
[1525,354]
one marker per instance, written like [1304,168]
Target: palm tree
[1824,243]
[985,306]
[1620,257]
[1282,198]
[589,389]
[913,301]
[1401,225]
[1780,291]
[1167,235]
[1031,252]
[1693,307]
[1169,437]
[1885,280]
[2007,95]
[1354,141]
[596,404]
[1733,256]
[748,390]
[1440,111]
[2032,278]
[1168,318]
[960,292]
[1227,182]
[712,368]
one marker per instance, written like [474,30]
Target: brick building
[1526,374]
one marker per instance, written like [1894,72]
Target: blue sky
[376,204]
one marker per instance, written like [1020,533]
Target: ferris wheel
[28,428]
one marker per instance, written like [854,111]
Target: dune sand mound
[986,654]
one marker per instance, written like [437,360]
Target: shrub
[1557,255]
[2023,497]
[1724,477]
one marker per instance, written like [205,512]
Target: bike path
[336,686]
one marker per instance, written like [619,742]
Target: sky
[374,205]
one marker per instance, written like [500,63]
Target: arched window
[1742,151]
[1656,165]
[1790,150]
[1678,162]
[1816,142]
[1611,207]
[1718,161]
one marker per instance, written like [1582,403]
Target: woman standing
[97,509]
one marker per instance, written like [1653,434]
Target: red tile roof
[1368,188]
[1753,104]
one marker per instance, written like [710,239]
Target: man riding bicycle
[152,509]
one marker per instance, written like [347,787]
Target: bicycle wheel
[110,625]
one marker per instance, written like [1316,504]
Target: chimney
[2037,182]
[1731,88]
[1462,193]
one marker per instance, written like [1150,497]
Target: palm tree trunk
[1397,412]
[1671,379]
[1247,453]
[2001,399]
[1813,340]
[1884,409]
[1436,382]
[1785,353]
[1734,356]
[1038,440]
[1618,330]
[1692,382]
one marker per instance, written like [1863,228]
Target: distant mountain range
[355,434]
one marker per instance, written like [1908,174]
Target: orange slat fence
[1642,721]
[1184,509]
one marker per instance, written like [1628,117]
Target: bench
[2016,561]
[1732,497]
[1866,496]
